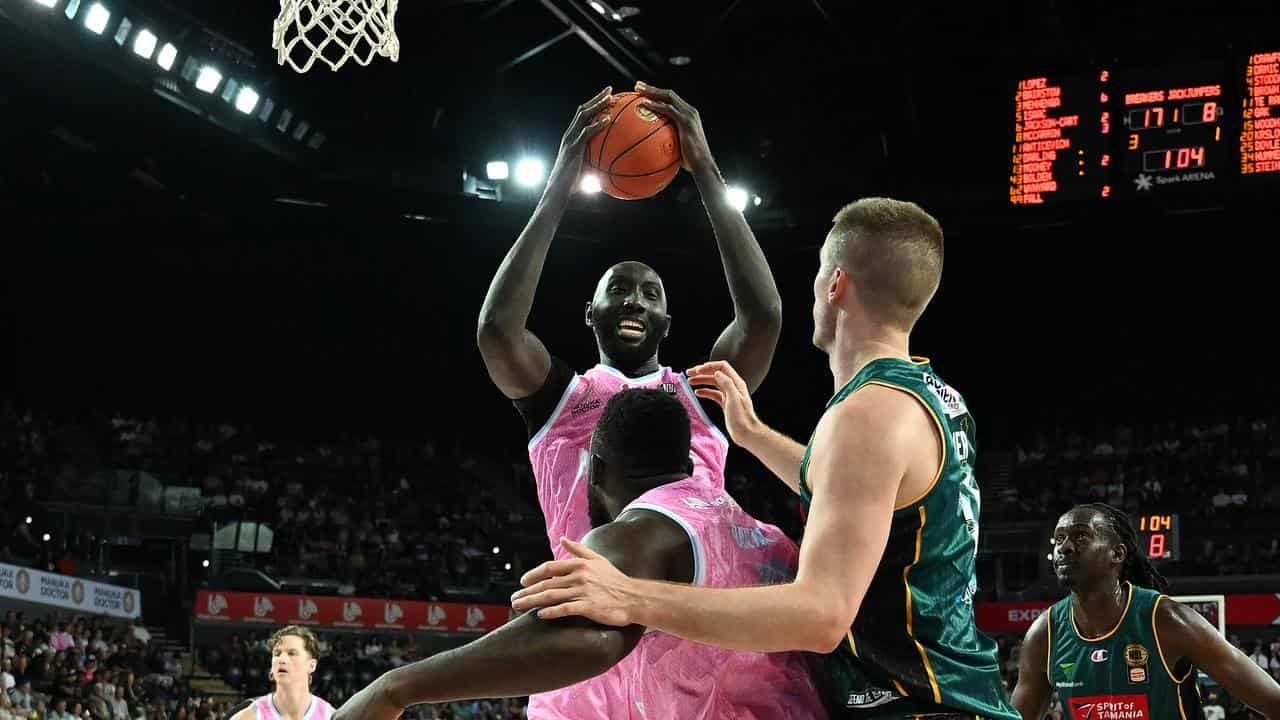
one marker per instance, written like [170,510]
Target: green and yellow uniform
[1120,675]
[914,649]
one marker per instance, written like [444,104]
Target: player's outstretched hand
[573,145]
[695,154]
[587,585]
[371,703]
[719,382]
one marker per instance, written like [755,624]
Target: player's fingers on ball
[662,109]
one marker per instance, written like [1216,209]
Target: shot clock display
[1158,536]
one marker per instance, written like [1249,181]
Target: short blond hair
[893,250]
[309,641]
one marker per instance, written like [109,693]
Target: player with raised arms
[1117,646]
[886,574]
[628,315]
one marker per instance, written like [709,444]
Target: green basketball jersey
[1120,675]
[915,648]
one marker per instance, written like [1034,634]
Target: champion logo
[1099,656]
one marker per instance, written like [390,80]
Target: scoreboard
[1144,132]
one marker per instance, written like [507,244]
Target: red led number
[1155,548]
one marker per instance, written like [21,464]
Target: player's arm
[530,655]
[516,359]
[866,442]
[1031,694]
[750,339]
[1184,635]
[718,381]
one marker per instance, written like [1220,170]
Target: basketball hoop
[335,31]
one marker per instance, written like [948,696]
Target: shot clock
[1158,536]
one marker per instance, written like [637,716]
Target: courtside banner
[1016,617]
[68,593]
[346,613]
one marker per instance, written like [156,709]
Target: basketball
[637,153]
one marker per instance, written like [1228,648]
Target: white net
[335,31]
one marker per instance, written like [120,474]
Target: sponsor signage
[68,593]
[214,606]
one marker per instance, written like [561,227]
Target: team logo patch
[1099,656]
[668,388]
[1137,675]
[1109,707]
[1135,655]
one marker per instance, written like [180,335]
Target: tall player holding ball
[628,316]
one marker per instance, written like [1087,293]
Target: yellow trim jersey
[914,648]
[1120,675]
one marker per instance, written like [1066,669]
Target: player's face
[1084,552]
[824,313]
[629,314]
[290,661]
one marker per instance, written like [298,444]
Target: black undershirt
[536,409]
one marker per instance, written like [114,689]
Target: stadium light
[204,563]
[208,80]
[737,197]
[496,549]
[97,17]
[757,200]
[28,519]
[47,3]
[529,172]
[46,537]
[497,170]
[144,44]
[167,55]
[590,184]
[508,566]
[246,100]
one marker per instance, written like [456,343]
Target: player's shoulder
[877,409]
[248,712]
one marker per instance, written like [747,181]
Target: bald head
[893,252]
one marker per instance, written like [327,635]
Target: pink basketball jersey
[265,709]
[560,453]
[669,677]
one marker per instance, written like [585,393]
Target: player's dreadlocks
[1137,568]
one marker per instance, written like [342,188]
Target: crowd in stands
[1221,475]
[348,663]
[88,668]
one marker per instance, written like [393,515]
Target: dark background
[152,269]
